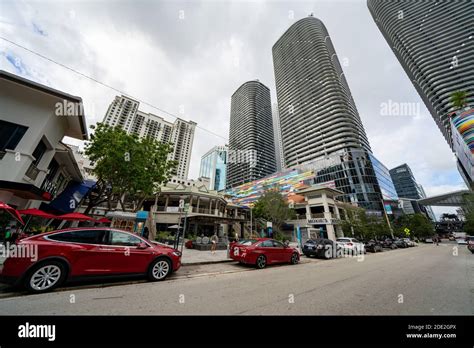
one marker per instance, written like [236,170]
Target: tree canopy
[130,166]
[272,206]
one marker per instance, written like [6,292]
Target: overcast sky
[191,56]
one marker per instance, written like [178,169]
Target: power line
[105,85]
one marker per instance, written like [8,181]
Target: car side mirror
[142,245]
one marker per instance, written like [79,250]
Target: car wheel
[45,276]
[472,251]
[159,269]
[261,262]
[294,259]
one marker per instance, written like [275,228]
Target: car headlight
[177,253]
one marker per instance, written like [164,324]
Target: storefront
[133,222]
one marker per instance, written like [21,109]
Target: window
[85,237]
[39,152]
[277,244]
[10,135]
[124,239]
[267,244]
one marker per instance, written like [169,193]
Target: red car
[263,251]
[74,253]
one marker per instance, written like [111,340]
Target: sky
[187,58]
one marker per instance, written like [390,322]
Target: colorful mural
[464,123]
[286,182]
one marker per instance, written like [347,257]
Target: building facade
[214,167]
[251,140]
[123,112]
[320,125]
[434,42]
[35,165]
[462,129]
[409,191]
[280,158]
[318,116]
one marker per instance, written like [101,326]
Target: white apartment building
[123,112]
[280,158]
[35,165]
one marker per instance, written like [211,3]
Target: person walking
[146,232]
[214,240]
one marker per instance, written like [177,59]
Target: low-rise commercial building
[35,164]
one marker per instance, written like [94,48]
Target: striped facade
[251,142]
[434,42]
[318,115]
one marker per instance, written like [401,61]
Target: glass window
[82,236]
[277,244]
[39,152]
[267,244]
[124,239]
[10,135]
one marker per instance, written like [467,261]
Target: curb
[205,262]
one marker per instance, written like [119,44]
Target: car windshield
[247,242]
[344,240]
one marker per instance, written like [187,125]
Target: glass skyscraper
[320,126]
[214,167]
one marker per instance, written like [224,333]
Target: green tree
[129,167]
[418,224]
[271,206]
[459,99]
[469,224]
[363,226]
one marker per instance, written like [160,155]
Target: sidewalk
[195,257]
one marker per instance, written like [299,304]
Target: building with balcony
[319,213]
[35,165]
[209,212]
[123,112]
[251,140]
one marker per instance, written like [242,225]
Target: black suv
[321,248]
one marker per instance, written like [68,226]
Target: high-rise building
[320,127]
[409,190]
[123,112]
[434,42]
[251,141]
[317,113]
[214,166]
[280,163]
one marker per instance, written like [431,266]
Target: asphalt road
[425,280]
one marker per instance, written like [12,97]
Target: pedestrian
[214,240]
[437,240]
[146,232]
[236,237]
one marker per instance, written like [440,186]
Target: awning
[75,217]
[37,212]
[12,211]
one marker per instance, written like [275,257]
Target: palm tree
[459,99]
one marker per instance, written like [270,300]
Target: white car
[461,241]
[351,244]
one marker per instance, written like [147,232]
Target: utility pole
[387,219]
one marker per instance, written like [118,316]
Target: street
[424,280]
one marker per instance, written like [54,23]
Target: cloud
[196,54]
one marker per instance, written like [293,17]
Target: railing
[317,216]
[50,187]
[32,171]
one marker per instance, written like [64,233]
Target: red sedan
[263,251]
[86,252]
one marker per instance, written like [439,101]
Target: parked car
[389,244]
[351,244]
[400,243]
[470,243]
[461,240]
[409,242]
[373,246]
[77,253]
[262,252]
[321,248]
